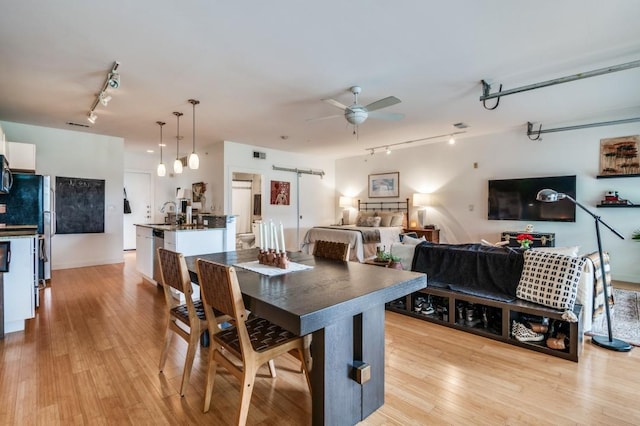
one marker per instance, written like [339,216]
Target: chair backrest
[219,289]
[174,272]
[331,250]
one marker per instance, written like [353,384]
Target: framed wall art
[619,156]
[384,185]
[280,192]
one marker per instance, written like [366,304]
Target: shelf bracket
[486,88]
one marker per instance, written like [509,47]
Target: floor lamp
[608,342]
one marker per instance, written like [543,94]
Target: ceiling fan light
[177,166]
[162,170]
[356,116]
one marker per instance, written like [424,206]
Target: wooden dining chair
[187,320]
[252,341]
[331,250]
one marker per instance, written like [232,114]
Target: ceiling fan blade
[393,116]
[383,103]
[335,103]
[325,118]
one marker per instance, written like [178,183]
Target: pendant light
[177,165]
[194,161]
[162,170]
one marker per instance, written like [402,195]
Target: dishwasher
[158,241]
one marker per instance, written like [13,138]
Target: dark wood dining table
[342,304]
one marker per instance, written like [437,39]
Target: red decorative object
[525,240]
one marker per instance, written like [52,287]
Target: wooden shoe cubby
[499,314]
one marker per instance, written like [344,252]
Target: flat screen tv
[515,199]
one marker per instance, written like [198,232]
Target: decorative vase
[395,265]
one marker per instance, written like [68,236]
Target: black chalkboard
[79,205]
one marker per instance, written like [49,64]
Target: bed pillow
[397,220]
[373,221]
[362,216]
[413,241]
[385,219]
[550,279]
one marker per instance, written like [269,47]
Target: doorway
[138,187]
[246,204]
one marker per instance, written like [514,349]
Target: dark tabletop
[306,301]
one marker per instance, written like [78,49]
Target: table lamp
[421,200]
[347,204]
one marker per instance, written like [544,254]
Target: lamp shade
[345,202]
[549,196]
[421,200]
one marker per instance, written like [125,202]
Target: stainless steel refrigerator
[30,202]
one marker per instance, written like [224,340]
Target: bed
[378,224]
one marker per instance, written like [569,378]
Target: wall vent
[260,155]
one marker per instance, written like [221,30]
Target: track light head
[104,98]
[91,117]
[114,80]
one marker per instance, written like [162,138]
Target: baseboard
[87,263]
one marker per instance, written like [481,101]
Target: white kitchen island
[187,240]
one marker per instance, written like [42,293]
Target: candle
[267,243]
[282,236]
[261,243]
[275,237]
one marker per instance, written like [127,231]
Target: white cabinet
[144,251]
[22,156]
[20,283]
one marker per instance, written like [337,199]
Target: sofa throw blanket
[598,283]
[490,272]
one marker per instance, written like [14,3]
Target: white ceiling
[260,68]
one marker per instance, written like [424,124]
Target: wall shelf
[618,205]
[617,176]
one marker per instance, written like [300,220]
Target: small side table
[432,235]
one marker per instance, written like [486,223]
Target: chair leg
[194,337]
[272,368]
[305,366]
[167,342]
[211,377]
[248,379]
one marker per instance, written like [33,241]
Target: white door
[241,205]
[138,186]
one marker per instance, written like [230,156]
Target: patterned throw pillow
[550,279]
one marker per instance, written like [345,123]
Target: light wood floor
[90,358]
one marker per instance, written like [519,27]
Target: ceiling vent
[460,125]
[260,155]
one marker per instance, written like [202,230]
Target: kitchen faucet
[173,203]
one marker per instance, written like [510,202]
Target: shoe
[538,327]
[427,309]
[523,334]
[560,343]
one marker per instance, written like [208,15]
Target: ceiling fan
[357,114]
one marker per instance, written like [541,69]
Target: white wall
[460,193]
[316,195]
[84,155]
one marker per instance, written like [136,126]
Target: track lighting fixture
[162,170]
[112,81]
[194,161]
[177,164]
[387,148]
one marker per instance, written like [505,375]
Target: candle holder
[273,258]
